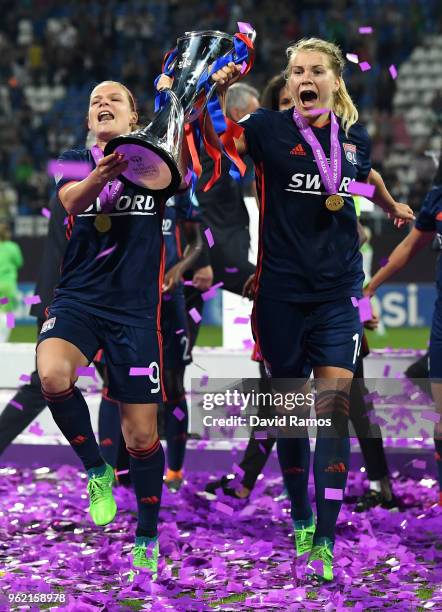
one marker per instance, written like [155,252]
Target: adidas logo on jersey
[298,150]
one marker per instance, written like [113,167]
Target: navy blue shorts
[175,329]
[293,334]
[124,347]
[435,355]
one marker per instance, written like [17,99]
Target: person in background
[11,260]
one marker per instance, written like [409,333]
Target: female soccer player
[428,226]
[109,297]
[309,269]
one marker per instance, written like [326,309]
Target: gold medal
[334,203]
[103,223]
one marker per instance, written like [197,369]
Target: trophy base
[150,167]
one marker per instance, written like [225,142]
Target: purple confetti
[354,301]
[224,508]
[241,320]
[429,415]
[25,378]
[393,71]
[336,494]
[36,429]
[86,371]
[365,313]
[46,212]
[69,169]
[106,252]
[178,413]
[209,237]
[260,435]
[15,404]
[121,472]
[179,331]
[231,270]
[66,221]
[204,380]
[248,344]
[195,315]
[387,370]
[209,294]
[140,371]
[4,300]
[419,464]
[363,189]
[365,30]
[188,283]
[32,299]
[383,262]
[10,320]
[364,66]
[244,27]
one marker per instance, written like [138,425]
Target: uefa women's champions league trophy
[154,152]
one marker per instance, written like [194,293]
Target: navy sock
[177,422]
[146,471]
[332,456]
[71,414]
[294,459]
[109,429]
[438,455]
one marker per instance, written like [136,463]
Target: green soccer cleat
[145,556]
[304,532]
[320,561]
[102,506]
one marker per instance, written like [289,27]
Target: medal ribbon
[112,190]
[330,175]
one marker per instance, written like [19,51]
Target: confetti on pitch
[224,508]
[140,371]
[10,320]
[46,212]
[106,252]
[363,189]
[364,66]
[352,57]
[365,30]
[178,413]
[365,313]
[86,371]
[32,299]
[4,300]
[209,237]
[241,320]
[75,170]
[195,315]
[335,494]
[15,404]
[393,71]
[36,429]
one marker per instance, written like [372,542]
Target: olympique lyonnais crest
[350,152]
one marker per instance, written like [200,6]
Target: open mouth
[308,96]
[105,116]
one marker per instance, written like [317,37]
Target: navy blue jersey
[117,273]
[429,219]
[180,207]
[306,252]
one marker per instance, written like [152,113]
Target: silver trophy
[154,152]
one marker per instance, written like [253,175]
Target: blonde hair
[343,105]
